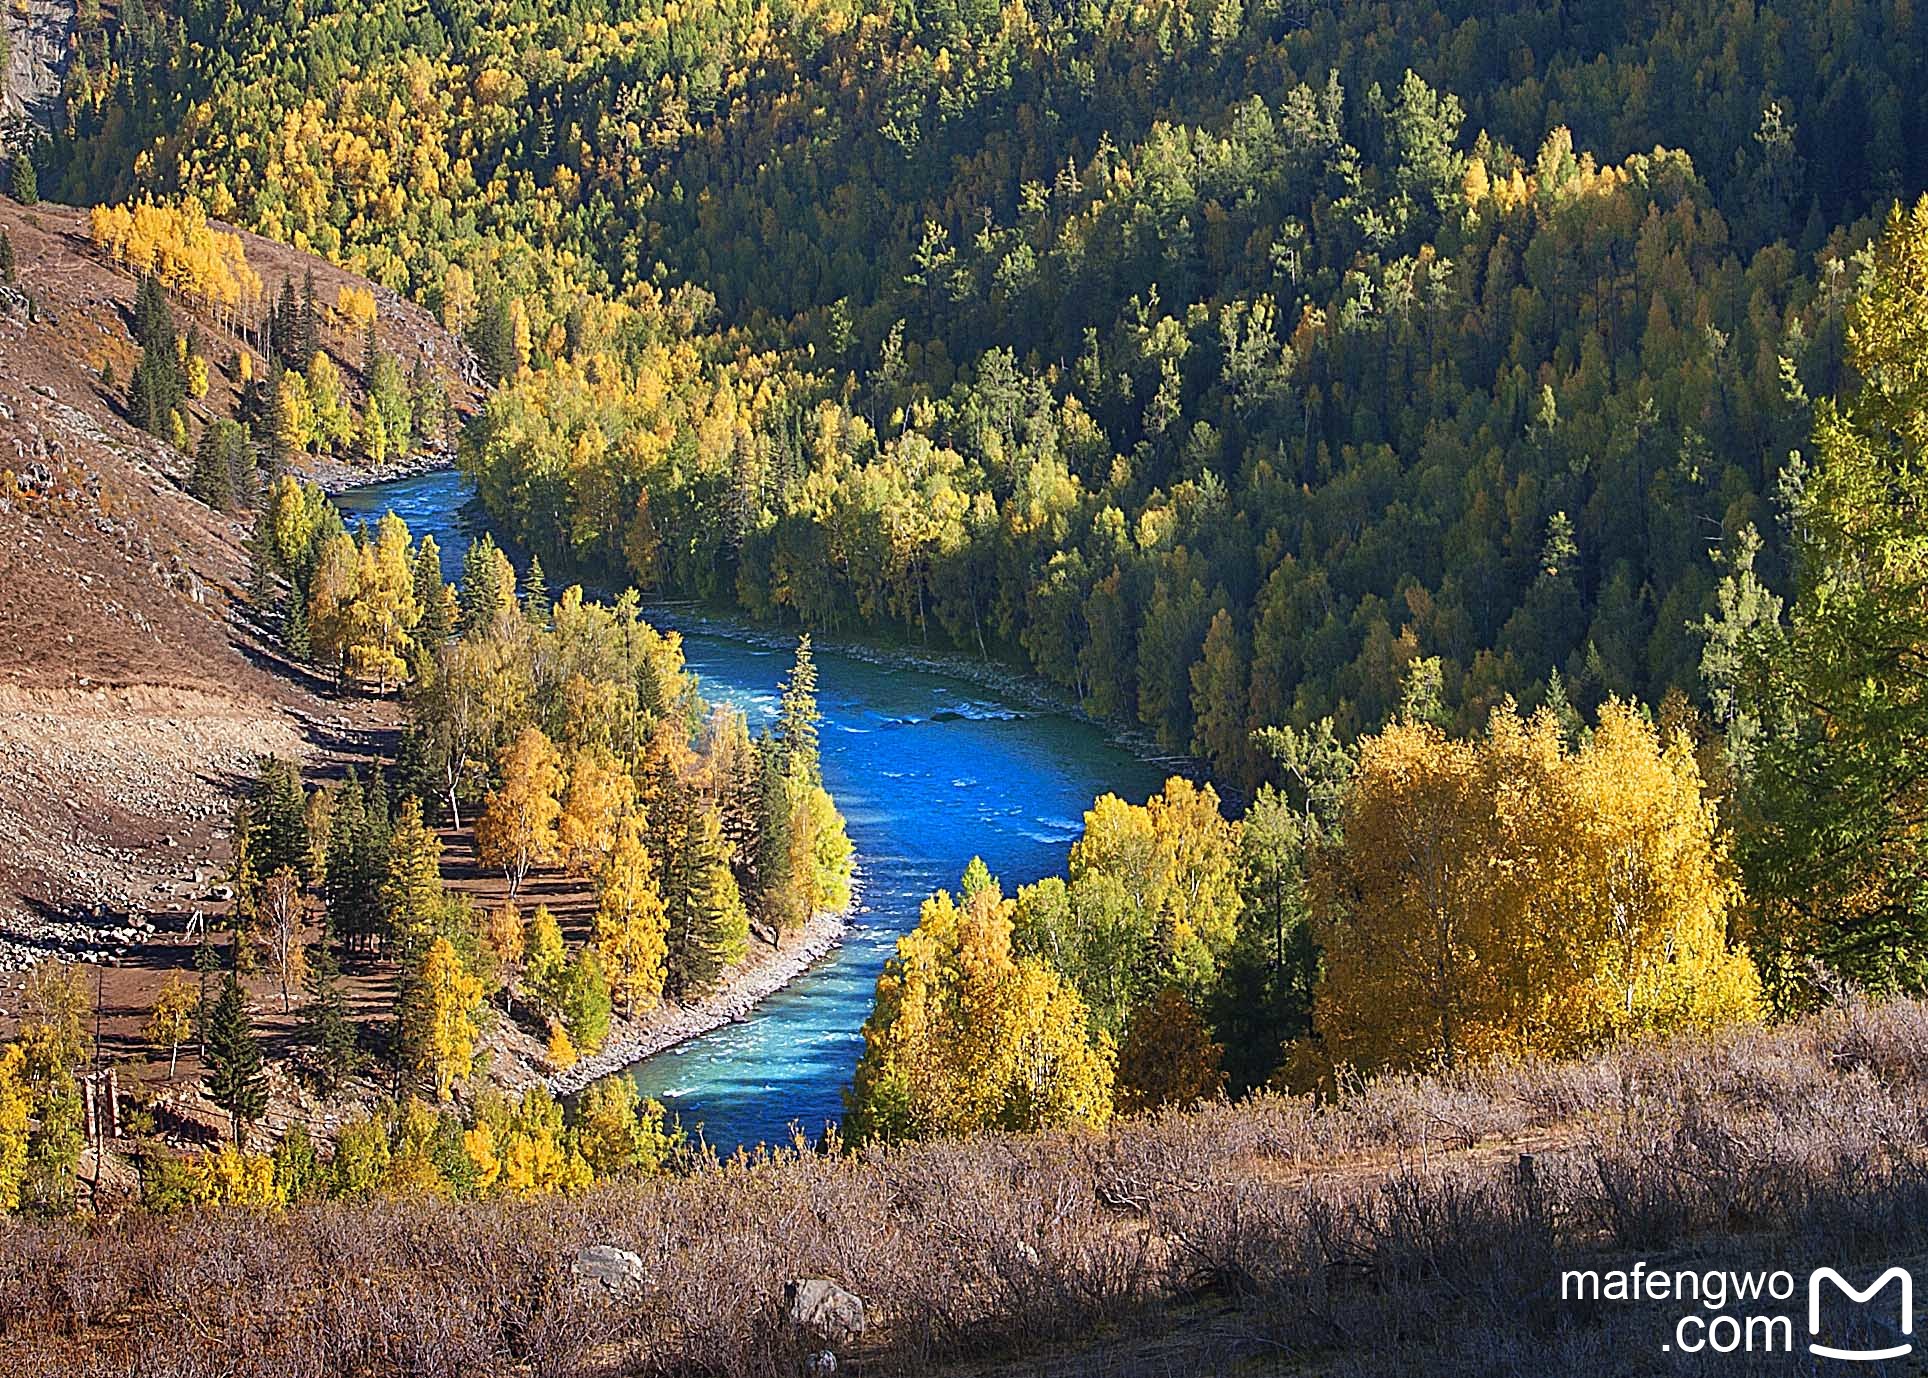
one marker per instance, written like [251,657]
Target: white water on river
[928,769]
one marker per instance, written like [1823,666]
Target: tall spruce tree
[535,595]
[234,1079]
[710,929]
[278,819]
[325,1032]
[797,715]
[283,320]
[307,325]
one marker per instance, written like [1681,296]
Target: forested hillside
[1219,361]
[1492,439]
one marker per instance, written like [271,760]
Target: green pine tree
[308,325]
[325,1031]
[211,480]
[234,1079]
[294,629]
[278,836]
[432,597]
[783,894]
[207,961]
[535,595]
[718,926]
[797,715]
[26,181]
[481,594]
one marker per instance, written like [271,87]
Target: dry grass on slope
[1392,1232]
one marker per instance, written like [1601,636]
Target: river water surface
[928,769]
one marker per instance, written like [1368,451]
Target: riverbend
[929,768]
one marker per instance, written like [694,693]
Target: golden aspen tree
[16,1122]
[334,602]
[517,828]
[1176,858]
[297,412]
[334,420]
[458,298]
[547,961]
[354,307]
[386,610]
[561,1053]
[632,929]
[442,1016]
[227,1176]
[600,795]
[412,1170]
[1508,895]
[171,1020]
[1638,886]
[508,939]
[1409,894]
[1198,857]
[621,1135]
[964,1036]
[522,1149]
[519,332]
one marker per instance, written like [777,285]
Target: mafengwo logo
[1736,1312]
[1825,1277]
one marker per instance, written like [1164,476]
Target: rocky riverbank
[333,476]
[771,970]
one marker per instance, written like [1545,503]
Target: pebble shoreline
[334,477]
[676,1024]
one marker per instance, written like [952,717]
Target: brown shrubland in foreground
[1398,1231]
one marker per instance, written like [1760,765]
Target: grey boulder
[616,1269]
[820,1305]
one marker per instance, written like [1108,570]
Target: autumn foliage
[178,246]
[1508,895]
[967,1036]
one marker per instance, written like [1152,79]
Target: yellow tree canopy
[1177,859]
[1512,895]
[600,795]
[965,1036]
[178,246]
[517,829]
[444,1017]
[632,929]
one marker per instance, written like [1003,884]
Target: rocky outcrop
[39,38]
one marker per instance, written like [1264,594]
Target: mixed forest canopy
[1219,361]
[1488,437]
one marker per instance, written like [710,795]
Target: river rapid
[929,770]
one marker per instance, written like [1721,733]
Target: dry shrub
[1376,1233]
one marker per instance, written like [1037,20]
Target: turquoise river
[929,770]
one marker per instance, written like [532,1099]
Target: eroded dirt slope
[134,694]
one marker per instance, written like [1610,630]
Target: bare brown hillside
[133,694]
